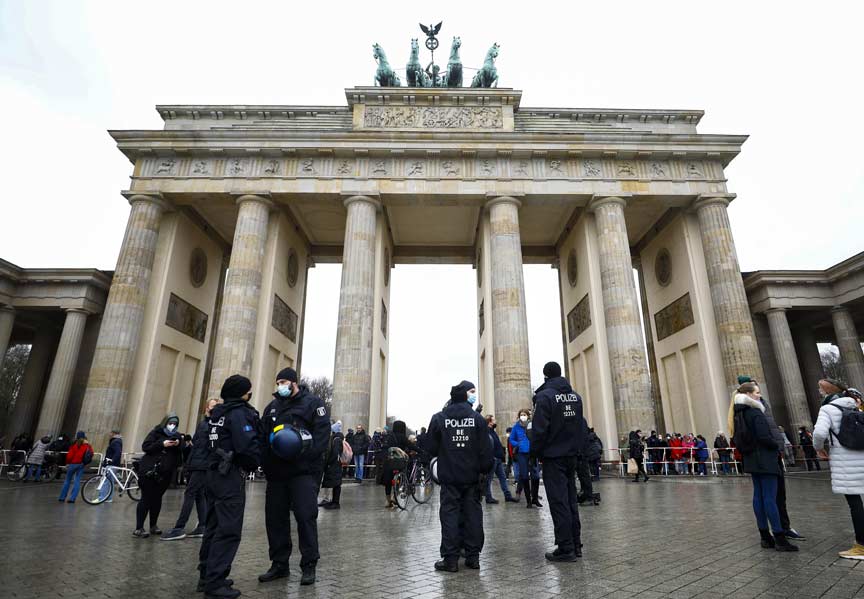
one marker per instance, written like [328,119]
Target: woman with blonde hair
[752,436]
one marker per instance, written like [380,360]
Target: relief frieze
[675,317]
[433,117]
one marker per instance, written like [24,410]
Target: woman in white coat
[847,465]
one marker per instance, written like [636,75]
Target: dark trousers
[856,507]
[781,500]
[152,490]
[298,494]
[595,468]
[811,458]
[195,494]
[585,484]
[559,477]
[226,498]
[641,468]
[461,521]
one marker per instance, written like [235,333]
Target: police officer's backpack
[851,433]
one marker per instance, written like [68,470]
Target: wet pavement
[666,538]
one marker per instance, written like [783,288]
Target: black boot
[596,498]
[276,571]
[222,593]
[767,539]
[308,575]
[447,566]
[781,544]
[562,556]
[529,503]
[535,492]
[200,587]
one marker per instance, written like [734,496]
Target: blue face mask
[472,398]
[284,390]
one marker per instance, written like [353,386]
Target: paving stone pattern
[693,538]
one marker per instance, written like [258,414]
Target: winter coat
[115,451]
[676,451]
[76,453]
[721,444]
[497,448]
[519,438]
[37,454]
[360,443]
[762,459]
[156,454]
[332,465]
[847,465]
[701,450]
[637,448]
[303,410]
[198,457]
[594,447]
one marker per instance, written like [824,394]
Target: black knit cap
[460,391]
[551,370]
[287,374]
[235,387]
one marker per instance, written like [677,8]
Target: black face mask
[494,426]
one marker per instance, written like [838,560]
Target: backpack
[87,457]
[744,440]
[851,433]
[347,455]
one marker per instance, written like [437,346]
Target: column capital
[372,198]
[602,200]
[261,198]
[503,198]
[776,310]
[83,311]
[711,199]
[839,308]
[150,197]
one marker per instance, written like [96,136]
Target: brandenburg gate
[231,205]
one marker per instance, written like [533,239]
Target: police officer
[293,473]
[234,449]
[557,439]
[459,438]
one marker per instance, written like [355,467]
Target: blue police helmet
[288,442]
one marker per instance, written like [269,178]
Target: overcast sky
[788,75]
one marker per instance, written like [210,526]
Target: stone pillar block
[631,386]
[7,321]
[811,365]
[790,374]
[32,383]
[849,344]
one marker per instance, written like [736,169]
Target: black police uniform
[458,436]
[557,439]
[234,429]
[293,485]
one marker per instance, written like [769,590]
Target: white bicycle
[102,486]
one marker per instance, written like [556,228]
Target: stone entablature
[60,288]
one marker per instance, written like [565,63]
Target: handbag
[632,467]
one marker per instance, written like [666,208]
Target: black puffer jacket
[332,465]
[198,456]
[763,459]
[165,459]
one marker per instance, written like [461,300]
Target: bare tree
[11,376]
[831,363]
[320,386]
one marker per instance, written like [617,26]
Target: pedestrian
[831,389]
[594,453]
[689,447]
[80,454]
[113,461]
[676,450]
[196,485]
[497,470]
[293,473]
[702,456]
[360,447]
[36,458]
[759,450]
[60,446]
[459,437]
[233,450]
[724,454]
[161,458]
[655,455]
[333,467]
[529,479]
[847,465]
[637,450]
[805,440]
[395,447]
[21,445]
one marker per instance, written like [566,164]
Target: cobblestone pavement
[694,538]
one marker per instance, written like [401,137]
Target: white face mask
[283,390]
[171,428]
[523,418]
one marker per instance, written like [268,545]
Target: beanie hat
[744,379]
[336,427]
[235,386]
[460,391]
[287,374]
[80,435]
[551,370]
[837,383]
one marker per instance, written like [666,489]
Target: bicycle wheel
[423,485]
[400,490]
[94,491]
[132,488]
[16,472]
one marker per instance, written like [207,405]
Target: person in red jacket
[80,454]
[676,445]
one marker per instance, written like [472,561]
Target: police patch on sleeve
[321,411]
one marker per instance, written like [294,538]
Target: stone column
[114,358]
[510,364]
[631,385]
[7,320]
[811,365]
[62,372]
[238,318]
[656,398]
[41,350]
[352,373]
[849,345]
[790,374]
[738,348]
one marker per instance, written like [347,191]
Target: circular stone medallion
[198,267]
[663,267]
[293,267]
[572,268]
